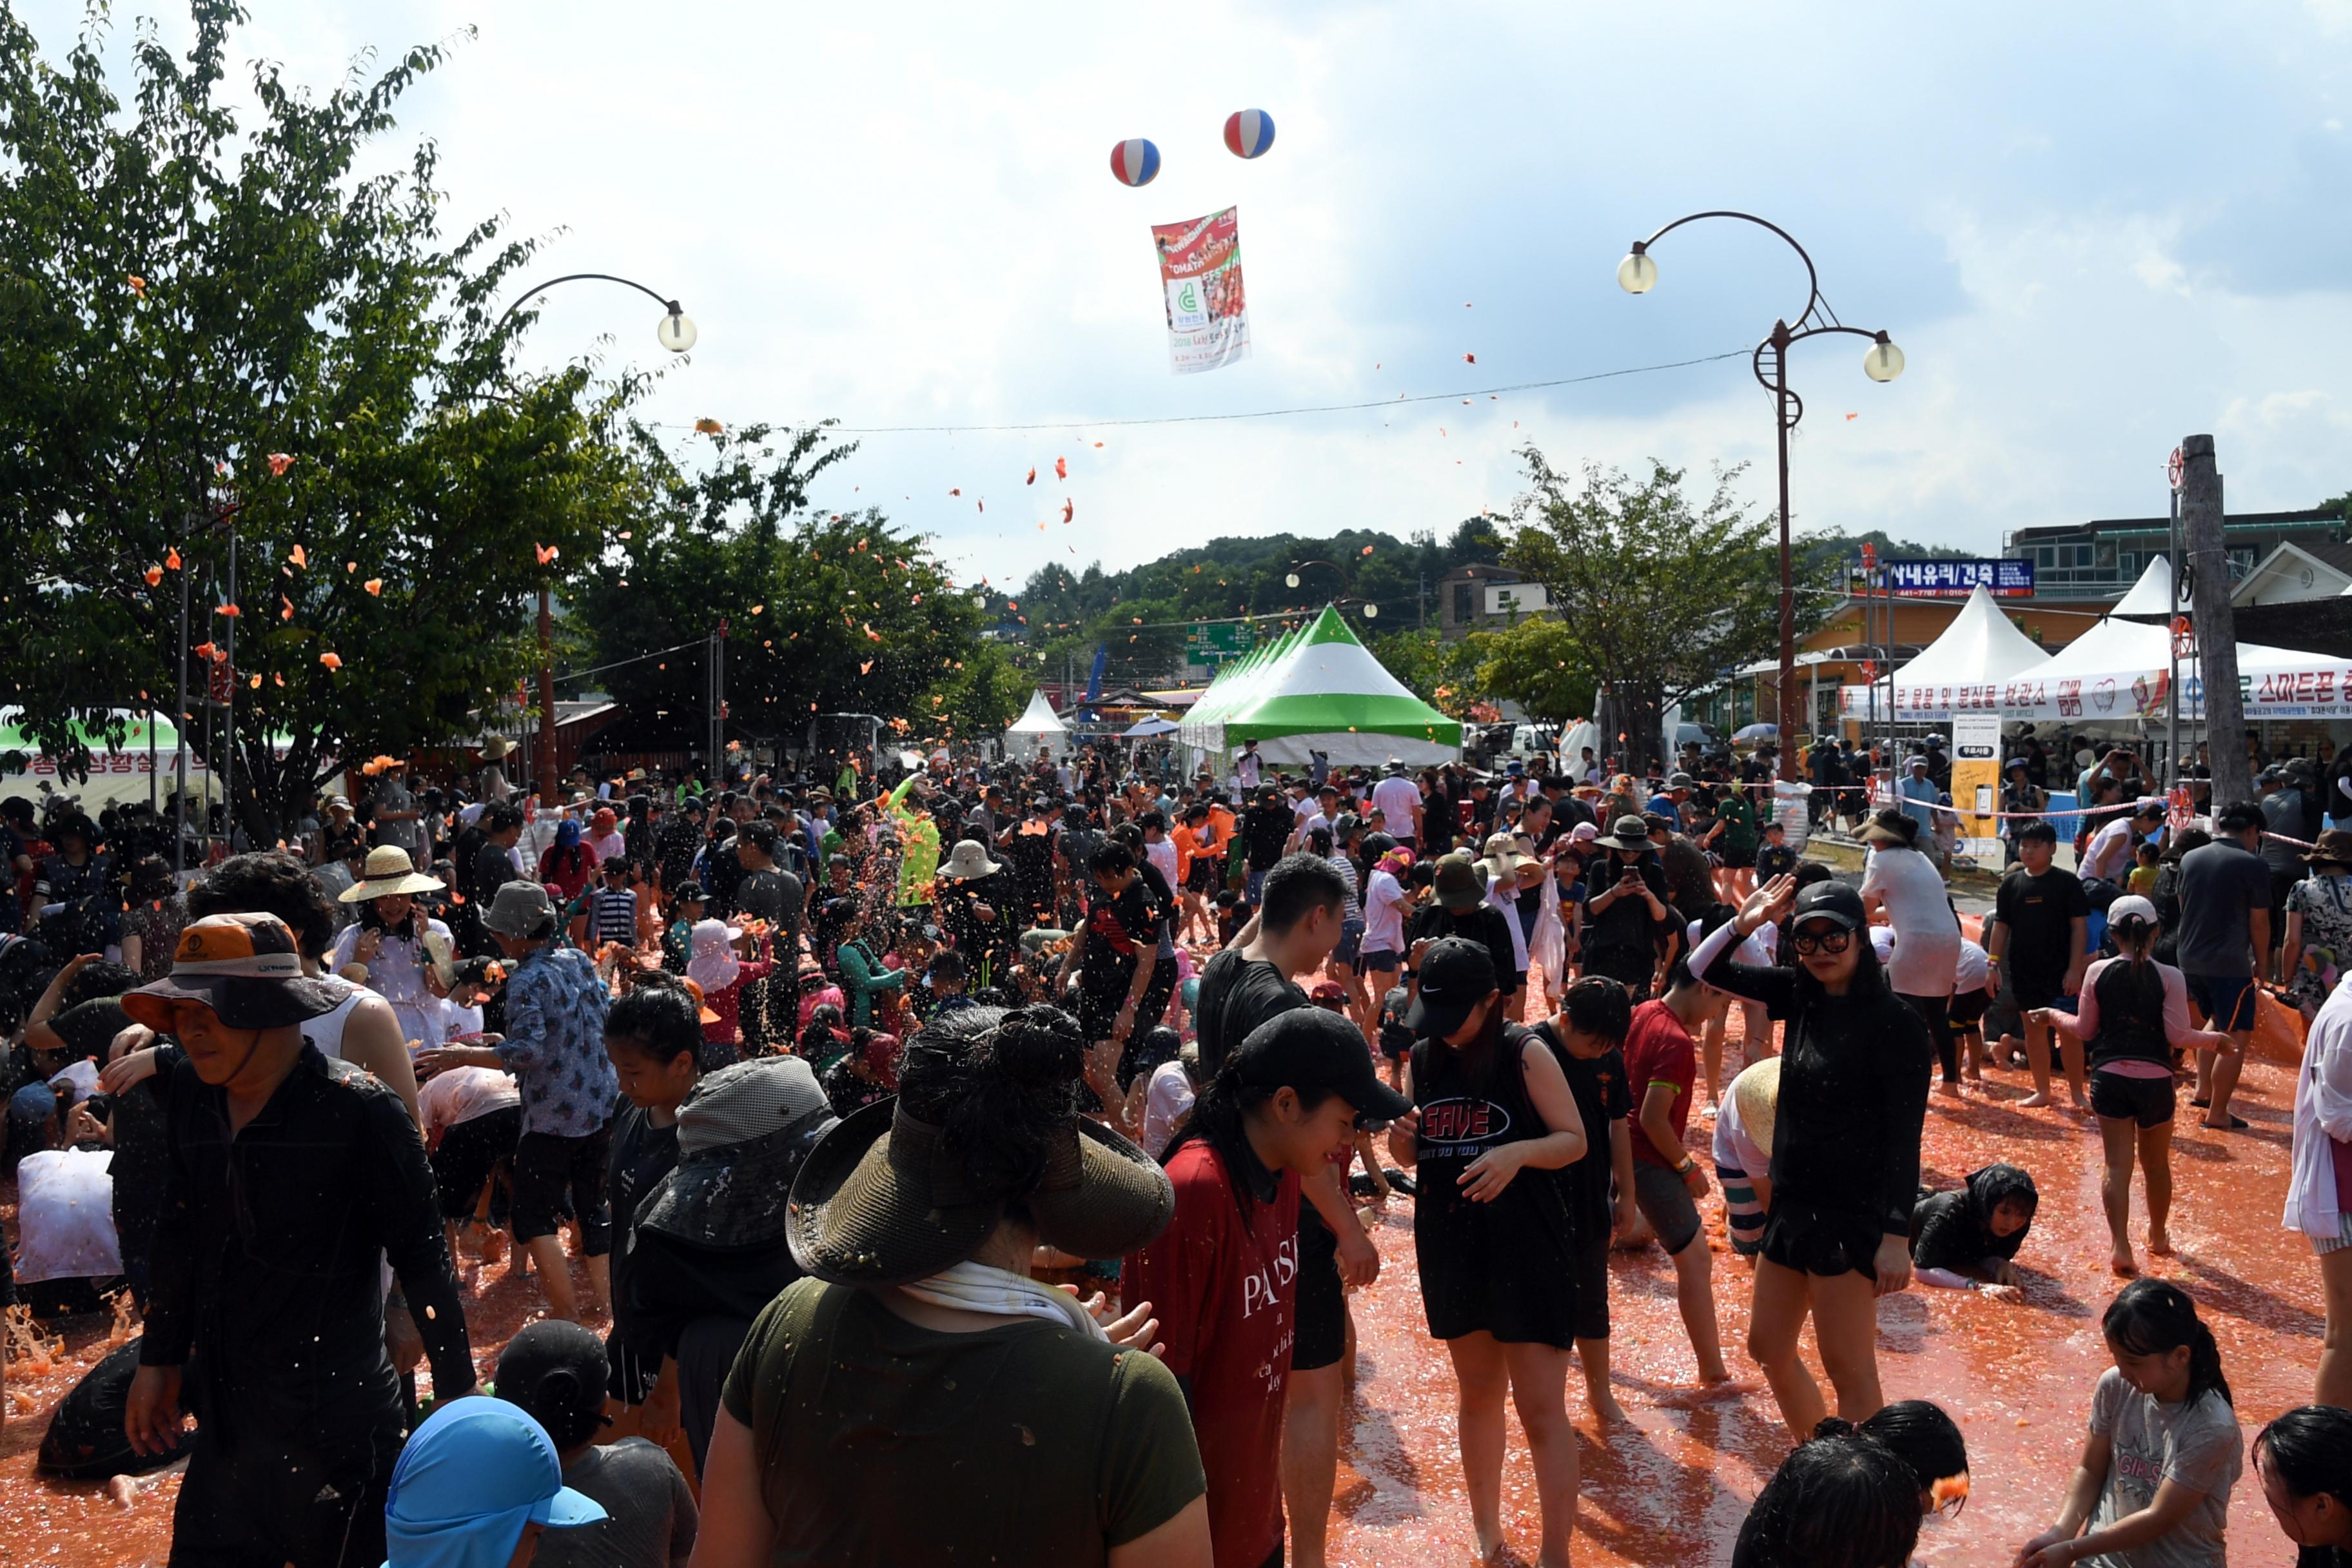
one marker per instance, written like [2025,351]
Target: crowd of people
[996,1138]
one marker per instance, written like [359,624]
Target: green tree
[833,613]
[1536,663]
[209,331]
[1656,594]
[1441,673]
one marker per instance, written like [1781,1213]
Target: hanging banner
[1976,785]
[1200,274]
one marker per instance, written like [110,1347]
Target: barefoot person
[1661,1069]
[2036,941]
[1586,1035]
[1492,1117]
[1845,1148]
[2134,1015]
[2319,1192]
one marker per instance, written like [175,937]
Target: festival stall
[1319,689]
[1038,726]
[120,777]
[1961,671]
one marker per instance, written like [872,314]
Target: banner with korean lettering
[1916,579]
[1200,277]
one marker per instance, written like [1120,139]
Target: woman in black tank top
[2133,1016]
[1493,1120]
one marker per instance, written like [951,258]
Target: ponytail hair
[2310,1450]
[2154,1317]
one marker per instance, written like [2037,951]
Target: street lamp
[1638,274]
[1292,579]
[675,331]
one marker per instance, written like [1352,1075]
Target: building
[2100,560]
[1482,598]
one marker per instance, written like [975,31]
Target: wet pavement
[1673,1487]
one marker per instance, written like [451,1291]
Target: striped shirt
[612,917]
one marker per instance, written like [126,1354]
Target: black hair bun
[1039,1047]
[1833,1426]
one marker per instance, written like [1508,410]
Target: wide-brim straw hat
[881,1200]
[388,871]
[496,746]
[1890,825]
[1757,1092]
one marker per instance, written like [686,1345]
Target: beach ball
[1134,161]
[1249,132]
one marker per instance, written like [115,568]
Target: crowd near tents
[1318,689]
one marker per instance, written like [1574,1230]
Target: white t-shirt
[79,1077]
[1168,1097]
[1162,854]
[1908,885]
[2109,852]
[1383,914]
[1398,799]
[398,975]
[1969,975]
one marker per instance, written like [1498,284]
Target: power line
[1267,413]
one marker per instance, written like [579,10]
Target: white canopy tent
[1962,670]
[1038,726]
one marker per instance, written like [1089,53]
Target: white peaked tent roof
[2152,596]
[1980,644]
[1038,718]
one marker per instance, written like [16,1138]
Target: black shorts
[1968,1009]
[1667,1204]
[2118,1097]
[2033,990]
[1322,1336]
[1588,1273]
[470,1151]
[1207,870]
[547,1165]
[1736,859]
[1099,1001]
[1812,1239]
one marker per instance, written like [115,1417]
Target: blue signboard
[2004,579]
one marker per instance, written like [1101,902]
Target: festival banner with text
[1201,272]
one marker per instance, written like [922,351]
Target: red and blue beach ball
[1134,161]
[1249,132]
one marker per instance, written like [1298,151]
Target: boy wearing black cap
[1224,1276]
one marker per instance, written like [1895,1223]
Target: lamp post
[1638,274]
[1291,580]
[675,331]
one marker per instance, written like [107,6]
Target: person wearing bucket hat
[392,947]
[1279,1112]
[1458,906]
[475,1485]
[976,902]
[1855,1070]
[1628,928]
[317,1414]
[1499,1279]
[710,1242]
[554,1045]
[919,1340]
[2132,1016]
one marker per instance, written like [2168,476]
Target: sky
[2092,229]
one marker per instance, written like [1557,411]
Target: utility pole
[2216,624]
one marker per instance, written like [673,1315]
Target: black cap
[1456,974]
[1829,901]
[1312,1048]
[690,892]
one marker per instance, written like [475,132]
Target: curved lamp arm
[1812,278]
[676,330]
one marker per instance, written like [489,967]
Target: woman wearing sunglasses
[1845,1152]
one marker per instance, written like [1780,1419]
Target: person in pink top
[723,977]
[2133,1016]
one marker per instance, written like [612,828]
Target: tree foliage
[833,613]
[1657,594]
[208,327]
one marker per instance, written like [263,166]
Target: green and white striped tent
[1317,689]
[115,775]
